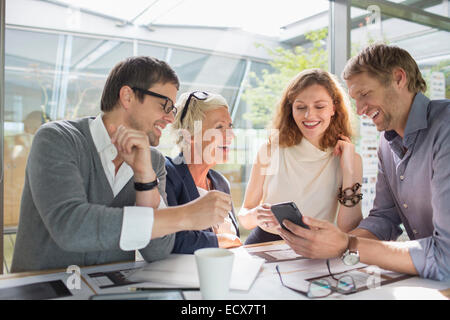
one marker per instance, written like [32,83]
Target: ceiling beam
[406,12]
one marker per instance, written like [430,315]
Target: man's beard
[390,100]
[152,138]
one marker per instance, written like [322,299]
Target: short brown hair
[289,133]
[379,60]
[141,72]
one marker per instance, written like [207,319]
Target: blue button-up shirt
[413,187]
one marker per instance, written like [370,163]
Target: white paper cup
[214,266]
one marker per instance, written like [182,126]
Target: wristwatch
[146,186]
[351,255]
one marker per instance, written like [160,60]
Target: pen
[133,289]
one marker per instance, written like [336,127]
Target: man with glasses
[95,190]
[413,183]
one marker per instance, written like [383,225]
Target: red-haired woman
[309,159]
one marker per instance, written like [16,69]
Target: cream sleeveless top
[306,175]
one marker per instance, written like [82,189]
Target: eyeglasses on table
[322,288]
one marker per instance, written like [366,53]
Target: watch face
[351,259]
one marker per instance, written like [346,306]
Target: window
[428,44]
[58,55]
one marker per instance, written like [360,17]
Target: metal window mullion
[169,53]
[338,35]
[248,65]
[407,13]
[53,103]
[2,103]
[65,77]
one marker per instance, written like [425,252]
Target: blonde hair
[289,134]
[379,60]
[195,112]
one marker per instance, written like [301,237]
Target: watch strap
[352,243]
[351,255]
[138,186]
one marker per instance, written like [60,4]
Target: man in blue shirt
[413,183]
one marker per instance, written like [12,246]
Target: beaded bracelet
[353,198]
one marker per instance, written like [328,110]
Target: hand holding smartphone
[288,211]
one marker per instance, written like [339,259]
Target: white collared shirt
[137,222]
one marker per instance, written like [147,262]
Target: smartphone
[288,211]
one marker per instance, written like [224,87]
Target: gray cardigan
[68,213]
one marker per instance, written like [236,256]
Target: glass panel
[152,51]
[52,77]
[197,70]
[104,57]
[247,115]
[28,78]
[58,57]
[18,55]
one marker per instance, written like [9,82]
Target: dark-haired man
[94,189]
[413,183]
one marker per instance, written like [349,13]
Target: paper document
[274,253]
[112,278]
[181,270]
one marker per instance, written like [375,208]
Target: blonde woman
[204,135]
[311,159]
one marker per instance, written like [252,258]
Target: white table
[267,285]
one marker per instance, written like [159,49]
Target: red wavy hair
[288,132]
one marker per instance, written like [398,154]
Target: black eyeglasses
[199,95]
[322,288]
[168,105]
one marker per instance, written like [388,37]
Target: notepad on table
[181,270]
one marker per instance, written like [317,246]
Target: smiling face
[376,101]
[149,115]
[217,136]
[312,110]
